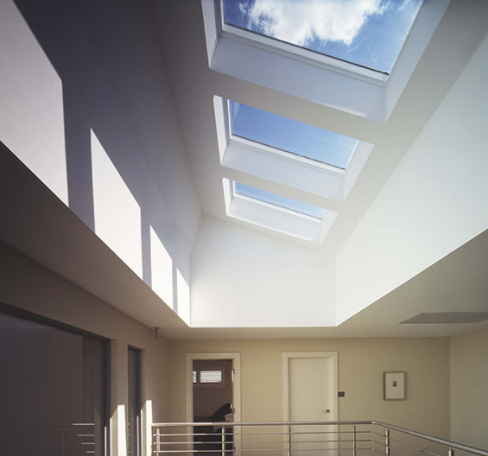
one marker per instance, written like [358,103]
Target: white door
[311,395]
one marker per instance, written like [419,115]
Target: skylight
[366,33]
[278,200]
[291,136]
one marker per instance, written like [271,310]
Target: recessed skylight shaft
[367,33]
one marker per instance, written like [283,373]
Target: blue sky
[366,32]
[281,201]
[290,135]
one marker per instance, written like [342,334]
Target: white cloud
[298,22]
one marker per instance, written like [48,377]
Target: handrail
[452,445]
[458,446]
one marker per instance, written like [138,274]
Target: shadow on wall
[119,132]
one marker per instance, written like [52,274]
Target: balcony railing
[336,438]
[76,439]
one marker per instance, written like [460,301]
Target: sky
[291,136]
[281,201]
[370,33]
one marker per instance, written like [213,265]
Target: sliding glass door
[51,390]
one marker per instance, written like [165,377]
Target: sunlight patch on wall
[31,97]
[118,436]
[161,270]
[183,293]
[117,214]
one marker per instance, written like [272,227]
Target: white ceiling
[71,249]
[194,86]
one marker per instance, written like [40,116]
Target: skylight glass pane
[291,136]
[368,33]
[280,201]
[211,376]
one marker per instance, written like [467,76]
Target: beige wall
[28,285]
[361,366]
[469,389]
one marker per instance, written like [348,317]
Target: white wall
[86,105]
[434,202]
[469,391]
[241,277]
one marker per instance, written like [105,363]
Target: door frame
[335,384]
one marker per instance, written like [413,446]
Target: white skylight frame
[331,82]
[274,217]
[284,167]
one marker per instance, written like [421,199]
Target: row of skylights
[281,201]
[291,136]
[288,152]
[332,52]
[368,34]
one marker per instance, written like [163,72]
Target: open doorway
[213,395]
[213,381]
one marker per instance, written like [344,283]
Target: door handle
[326,411]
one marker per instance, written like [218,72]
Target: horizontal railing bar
[411,445]
[402,452]
[377,451]
[21,426]
[459,446]
[254,450]
[454,445]
[422,450]
[247,442]
[264,423]
[380,443]
[261,433]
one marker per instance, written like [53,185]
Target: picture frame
[394,386]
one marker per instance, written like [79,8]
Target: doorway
[213,385]
[311,395]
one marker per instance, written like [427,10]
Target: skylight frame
[291,212]
[332,84]
[318,58]
[285,154]
[284,168]
[275,218]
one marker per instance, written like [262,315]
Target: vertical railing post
[223,440]
[354,449]
[387,442]
[288,432]
[450,451]
[158,440]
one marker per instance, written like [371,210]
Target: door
[311,395]
[134,412]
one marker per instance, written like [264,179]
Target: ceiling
[457,282]
[194,85]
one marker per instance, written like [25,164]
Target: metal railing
[331,438]
[76,439]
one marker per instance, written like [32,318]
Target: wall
[27,285]
[439,187]
[87,106]
[469,391]
[361,366]
[241,277]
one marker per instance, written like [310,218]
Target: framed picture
[394,386]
